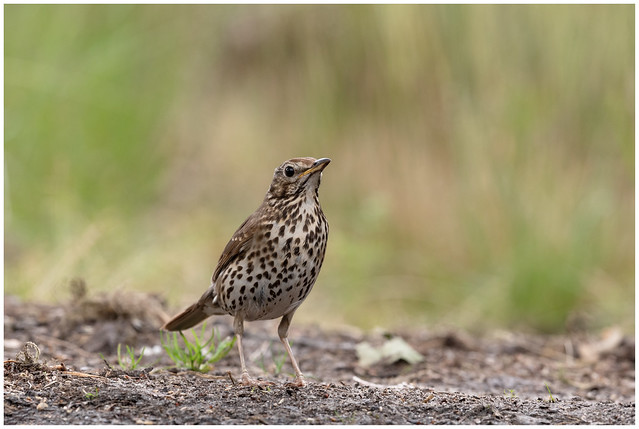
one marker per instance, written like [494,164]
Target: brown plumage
[270,264]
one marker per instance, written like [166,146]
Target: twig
[431,396]
[82,374]
[107,363]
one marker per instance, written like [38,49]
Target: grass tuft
[132,362]
[199,354]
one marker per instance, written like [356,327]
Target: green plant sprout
[550,398]
[278,360]
[198,355]
[133,361]
[510,393]
[91,395]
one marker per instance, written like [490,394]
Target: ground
[497,378]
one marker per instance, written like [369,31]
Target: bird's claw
[247,380]
[298,382]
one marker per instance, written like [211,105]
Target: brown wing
[238,244]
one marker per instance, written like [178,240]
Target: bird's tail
[194,315]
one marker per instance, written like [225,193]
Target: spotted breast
[277,271]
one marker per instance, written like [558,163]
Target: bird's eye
[289,171]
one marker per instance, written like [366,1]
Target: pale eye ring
[289,171]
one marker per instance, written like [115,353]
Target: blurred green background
[483,156]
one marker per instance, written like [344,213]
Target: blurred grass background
[483,156]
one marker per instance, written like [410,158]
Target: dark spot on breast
[287,245]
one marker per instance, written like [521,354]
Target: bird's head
[297,176]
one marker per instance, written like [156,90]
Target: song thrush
[270,264]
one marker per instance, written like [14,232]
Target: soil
[497,378]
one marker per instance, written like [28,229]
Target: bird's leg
[282,330]
[245,378]
[238,326]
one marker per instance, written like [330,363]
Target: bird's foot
[298,382]
[247,380]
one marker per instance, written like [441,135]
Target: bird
[271,262]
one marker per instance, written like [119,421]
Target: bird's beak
[318,165]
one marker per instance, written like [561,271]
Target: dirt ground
[499,378]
